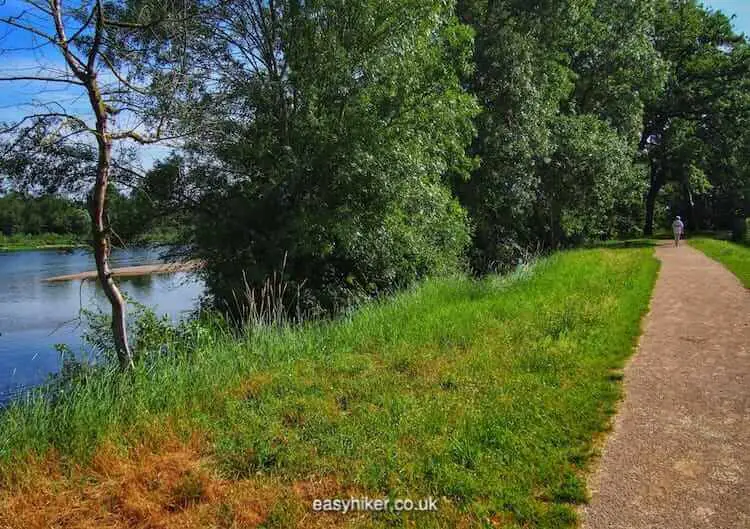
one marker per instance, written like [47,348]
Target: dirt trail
[679,455]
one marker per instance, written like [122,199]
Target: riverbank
[53,241]
[36,316]
[486,395]
[48,241]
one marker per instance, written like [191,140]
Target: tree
[21,214]
[705,61]
[724,135]
[546,70]
[589,178]
[520,81]
[106,51]
[617,66]
[340,123]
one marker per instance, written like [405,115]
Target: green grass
[736,257]
[486,394]
[50,241]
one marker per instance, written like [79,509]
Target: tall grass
[486,394]
[271,304]
[735,256]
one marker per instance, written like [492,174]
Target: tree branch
[43,79]
[43,116]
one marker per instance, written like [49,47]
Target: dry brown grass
[252,386]
[148,487]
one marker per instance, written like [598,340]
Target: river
[34,315]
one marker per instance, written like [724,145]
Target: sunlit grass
[736,257]
[485,394]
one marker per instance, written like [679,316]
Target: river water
[34,315]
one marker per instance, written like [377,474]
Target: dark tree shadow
[623,245]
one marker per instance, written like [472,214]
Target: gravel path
[679,455]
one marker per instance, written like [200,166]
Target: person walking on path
[679,455]
[678,228]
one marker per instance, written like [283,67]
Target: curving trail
[679,455]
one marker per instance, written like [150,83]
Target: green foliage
[151,212]
[333,157]
[618,68]
[24,241]
[152,336]
[368,144]
[20,214]
[50,220]
[589,187]
[487,393]
[562,87]
[695,128]
[741,230]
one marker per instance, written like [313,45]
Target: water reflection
[35,315]
[140,284]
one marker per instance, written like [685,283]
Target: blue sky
[741,8]
[23,54]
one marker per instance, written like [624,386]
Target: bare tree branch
[75,64]
[42,79]
[47,115]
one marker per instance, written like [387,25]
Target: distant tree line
[365,144]
[133,215]
[21,214]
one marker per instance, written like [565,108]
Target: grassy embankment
[487,395]
[49,241]
[736,257]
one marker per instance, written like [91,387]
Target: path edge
[601,439]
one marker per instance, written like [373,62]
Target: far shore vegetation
[42,241]
[48,222]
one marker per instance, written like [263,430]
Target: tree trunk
[100,230]
[692,223]
[101,256]
[653,193]
[87,75]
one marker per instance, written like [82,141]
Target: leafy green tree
[11,215]
[520,84]
[706,60]
[34,215]
[546,70]
[616,65]
[725,201]
[339,126]
[590,178]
